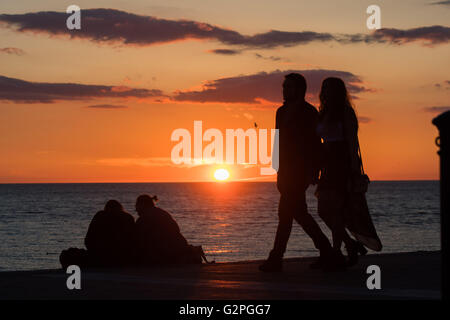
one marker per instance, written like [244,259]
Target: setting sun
[221,174]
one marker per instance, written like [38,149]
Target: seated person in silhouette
[158,237]
[109,238]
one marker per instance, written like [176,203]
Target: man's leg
[285,218]
[309,225]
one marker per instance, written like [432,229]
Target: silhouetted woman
[341,164]
[109,239]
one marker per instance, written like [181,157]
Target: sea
[233,221]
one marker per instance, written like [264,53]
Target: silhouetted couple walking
[302,157]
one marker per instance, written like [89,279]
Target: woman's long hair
[334,99]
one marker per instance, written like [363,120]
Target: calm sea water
[233,221]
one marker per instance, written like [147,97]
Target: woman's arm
[351,136]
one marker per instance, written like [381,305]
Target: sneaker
[271,265]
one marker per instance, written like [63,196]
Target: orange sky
[63,140]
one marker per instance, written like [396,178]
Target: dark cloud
[275,38]
[436,109]
[272,58]
[427,35]
[106,106]
[109,25]
[227,52]
[21,91]
[442,3]
[267,86]
[231,52]
[114,26]
[15,51]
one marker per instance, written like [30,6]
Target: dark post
[442,122]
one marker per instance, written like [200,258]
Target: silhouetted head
[113,206]
[334,98]
[144,203]
[294,87]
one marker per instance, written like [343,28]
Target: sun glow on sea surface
[221,174]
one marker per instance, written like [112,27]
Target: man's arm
[276,142]
[316,145]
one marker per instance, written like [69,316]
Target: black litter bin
[442,122]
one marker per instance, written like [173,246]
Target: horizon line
[199,181]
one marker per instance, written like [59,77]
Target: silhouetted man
[299,147]
[109,239]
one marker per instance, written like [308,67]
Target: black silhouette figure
[299,147]
[340,172]
[109,240]
[158,237]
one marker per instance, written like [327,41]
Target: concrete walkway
[403,276]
